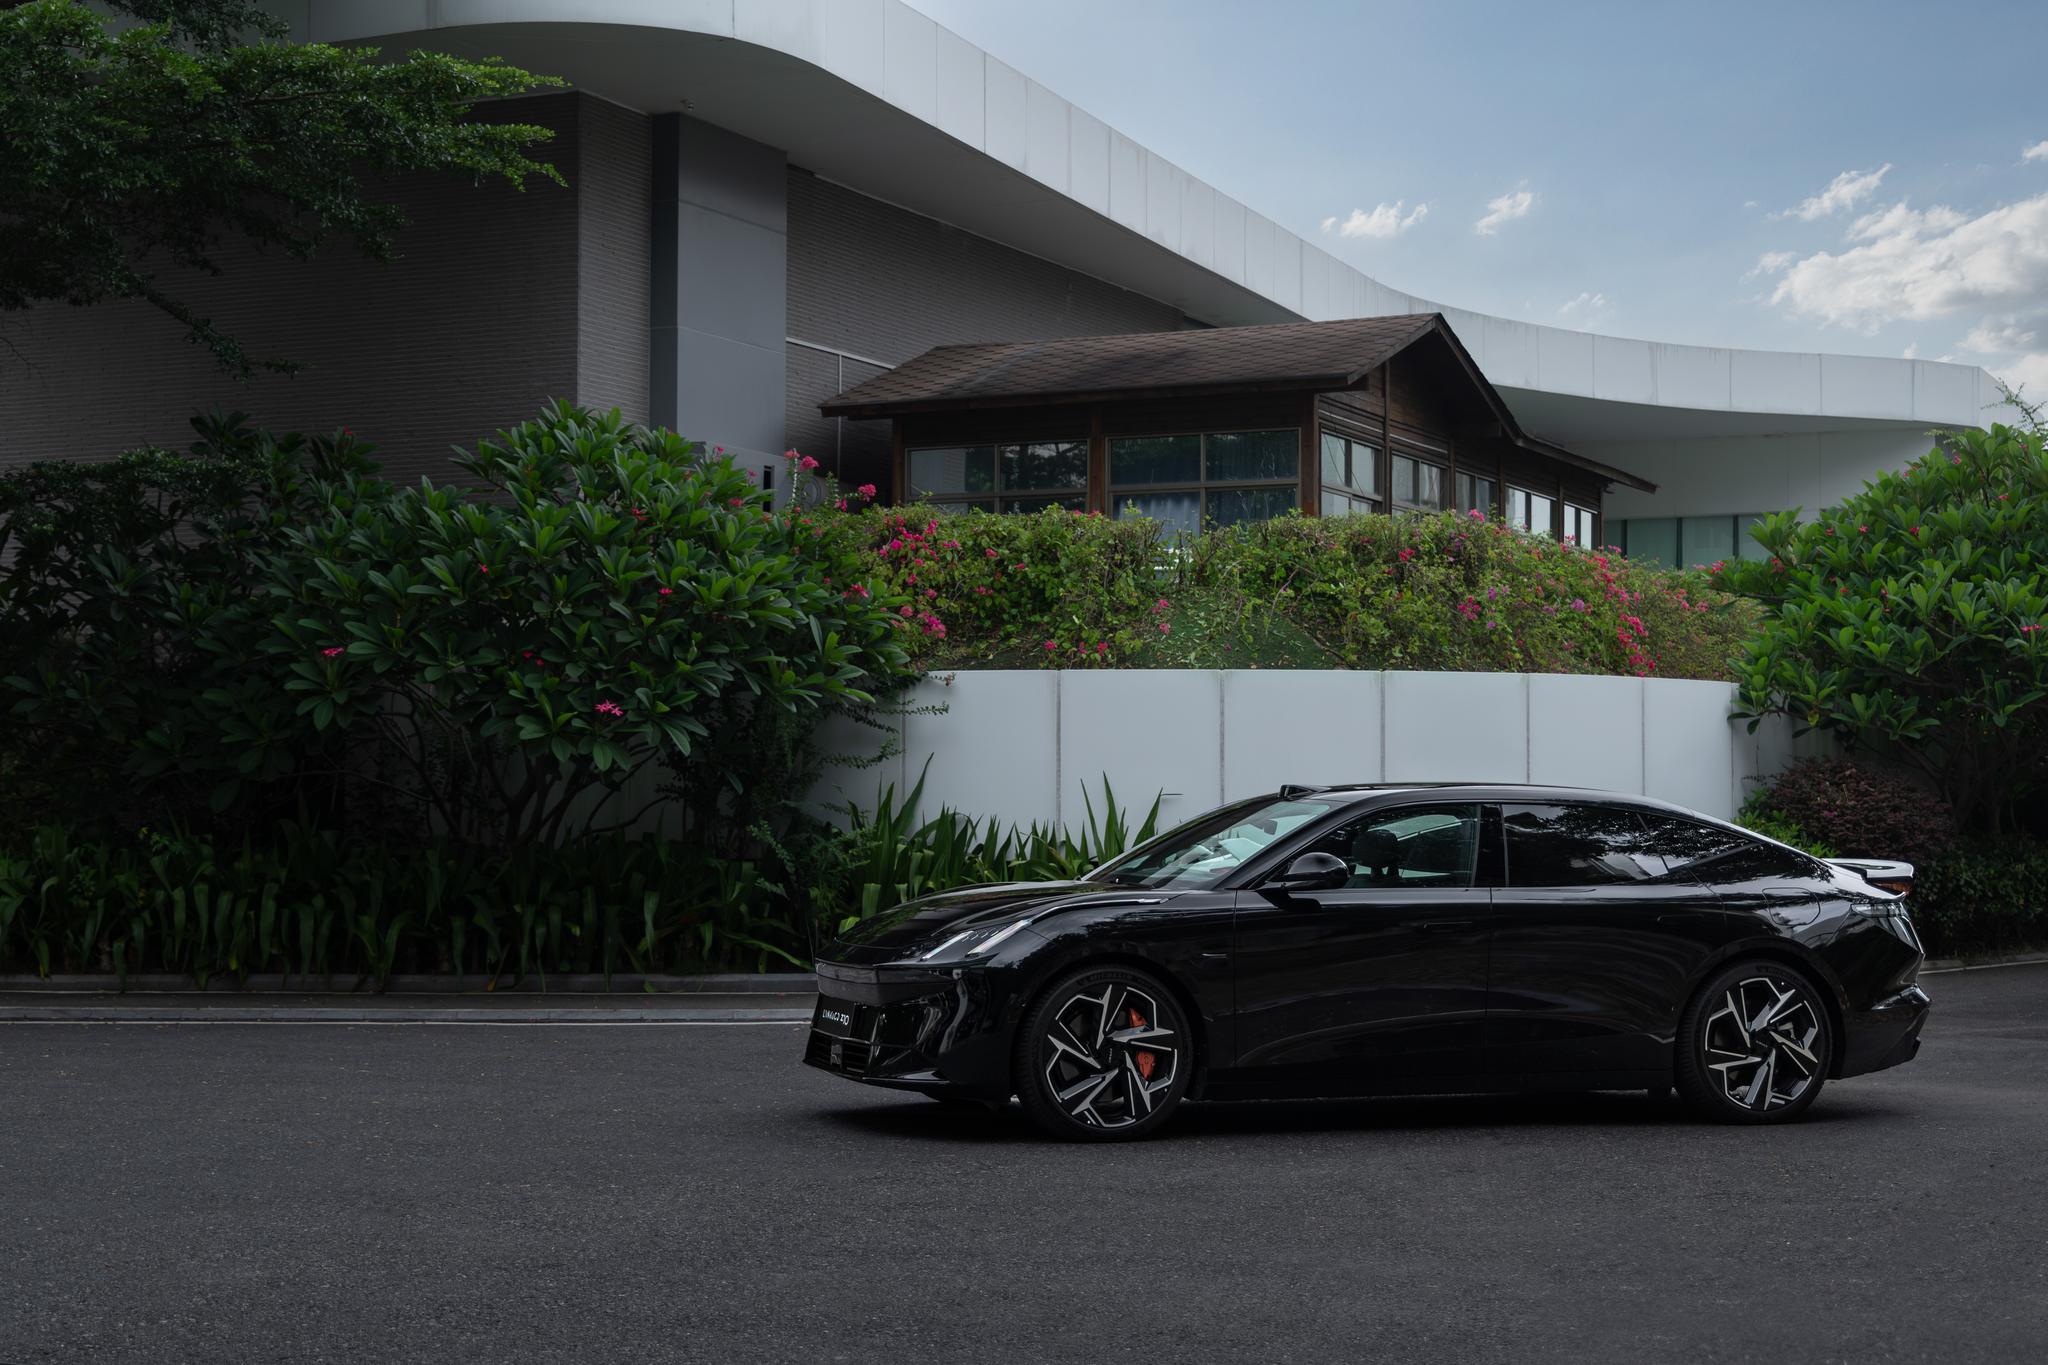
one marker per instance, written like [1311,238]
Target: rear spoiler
[1896,878]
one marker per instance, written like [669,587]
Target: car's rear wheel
[1755,1045]
[1104,1054]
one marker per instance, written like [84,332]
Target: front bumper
[1885,1035]
[939,1031]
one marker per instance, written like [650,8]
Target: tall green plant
[1913,621]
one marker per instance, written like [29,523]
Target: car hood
[922,923]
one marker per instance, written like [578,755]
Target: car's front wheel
[1104,1053]
[1755,1045]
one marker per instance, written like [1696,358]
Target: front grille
[838,1054]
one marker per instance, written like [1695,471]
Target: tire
[1755,1045]
[1091,1050]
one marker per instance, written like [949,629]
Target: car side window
[1579,845]
[1412,847]
[1713,854]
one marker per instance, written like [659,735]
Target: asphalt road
[592,1193]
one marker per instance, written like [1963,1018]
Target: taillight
[1897,886]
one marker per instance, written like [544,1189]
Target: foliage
[1909,621]
[1447,591]
[890,857]
[1860,810]
[1756,814]
[137,153]
[265,623]
[311,904]
[1982,897]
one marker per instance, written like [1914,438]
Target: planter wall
[1022,745]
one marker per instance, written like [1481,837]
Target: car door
[1600,928]
[1376,985]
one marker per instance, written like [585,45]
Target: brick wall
[495,300]
[882,282]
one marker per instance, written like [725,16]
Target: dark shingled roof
[1318,356]
[1286,355]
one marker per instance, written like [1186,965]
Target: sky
[1866,178]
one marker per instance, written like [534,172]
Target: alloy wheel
[1763,1043]
[1108,1057]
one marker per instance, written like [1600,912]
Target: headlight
[975,942]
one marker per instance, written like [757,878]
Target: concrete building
[771,202]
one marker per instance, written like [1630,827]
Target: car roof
[1353,792]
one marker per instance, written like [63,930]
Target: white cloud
[1508,207]
[1771,263]
[1845,191]
[1913,265]
[2027,373]
[2037,152]
[1997,336]
[1584,307]
[1383,221]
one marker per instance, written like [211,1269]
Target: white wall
[1022,745]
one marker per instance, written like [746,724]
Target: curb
[271,983]
[315,1014]
[1935,966]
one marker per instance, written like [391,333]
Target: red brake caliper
[1145,1060]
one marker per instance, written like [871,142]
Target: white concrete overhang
[876,96]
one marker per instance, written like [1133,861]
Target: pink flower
[1050,645]
[610,708]
[483,568]
[1161,605]
[1165,629]
[866,490]
[739,502]
[789,454]
[332,651]
[807,463]
[990,553]
[903,611]
[664,592]
[1102,648]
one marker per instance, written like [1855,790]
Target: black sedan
[1342,941]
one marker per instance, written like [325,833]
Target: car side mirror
[1311,872]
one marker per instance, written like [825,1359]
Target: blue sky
[1839,177]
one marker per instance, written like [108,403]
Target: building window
[1026,476]
[1688,542]
[1217,478]
[1581,526]
[1351,475]
[1477,495]
[1418,485]
[1529,511]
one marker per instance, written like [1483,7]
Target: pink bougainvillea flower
[1102,648]
[330,652]
[989,553]
[1050,645]
[1161,605]
[903,611]
[1165,629]
[866,490]
[806,463]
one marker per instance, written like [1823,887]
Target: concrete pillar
[720,276]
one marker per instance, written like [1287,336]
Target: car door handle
[1445,926]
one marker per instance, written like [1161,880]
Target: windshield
[1204,851]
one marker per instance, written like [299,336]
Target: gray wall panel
[875,280]
[476,321]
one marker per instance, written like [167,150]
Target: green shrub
[264,622]
[1860,810]
[1756,815]
[1909,621]
[1446,591]
[312,904]
[1983,897]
